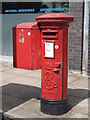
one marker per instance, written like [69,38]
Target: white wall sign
[49,49]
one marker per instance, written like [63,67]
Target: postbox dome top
[27,25]
[55,17]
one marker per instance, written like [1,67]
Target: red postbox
[54,37]
[27,46]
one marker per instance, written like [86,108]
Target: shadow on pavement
[15,94]
[75,96]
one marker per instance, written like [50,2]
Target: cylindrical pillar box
[54,37]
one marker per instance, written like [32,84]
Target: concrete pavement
[20,92]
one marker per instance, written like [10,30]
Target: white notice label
[49,51]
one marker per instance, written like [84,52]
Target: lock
[56,70]
[58,65]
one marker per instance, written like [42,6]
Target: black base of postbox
[54,107]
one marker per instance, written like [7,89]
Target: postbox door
[52,66]
[23,48]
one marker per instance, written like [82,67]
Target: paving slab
[81,107]
[78,92]
[80,83]
[73,101]
[72,78]
[0,90]
[0,115]
[89,107]
[33,74]
[4,82]
[30,109]
[18,71]
[10,88]
[0,67]
[74,72]
[26,92]
[5,66]
[0,103]
[38,83]
[9,102]
[6,75]
[75,114]
[0,78]
[23,80]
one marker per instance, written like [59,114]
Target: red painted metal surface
[27,46]
[55,18]
[14,47]
[54,55]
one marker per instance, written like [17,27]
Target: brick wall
[75,36]
[89,45]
